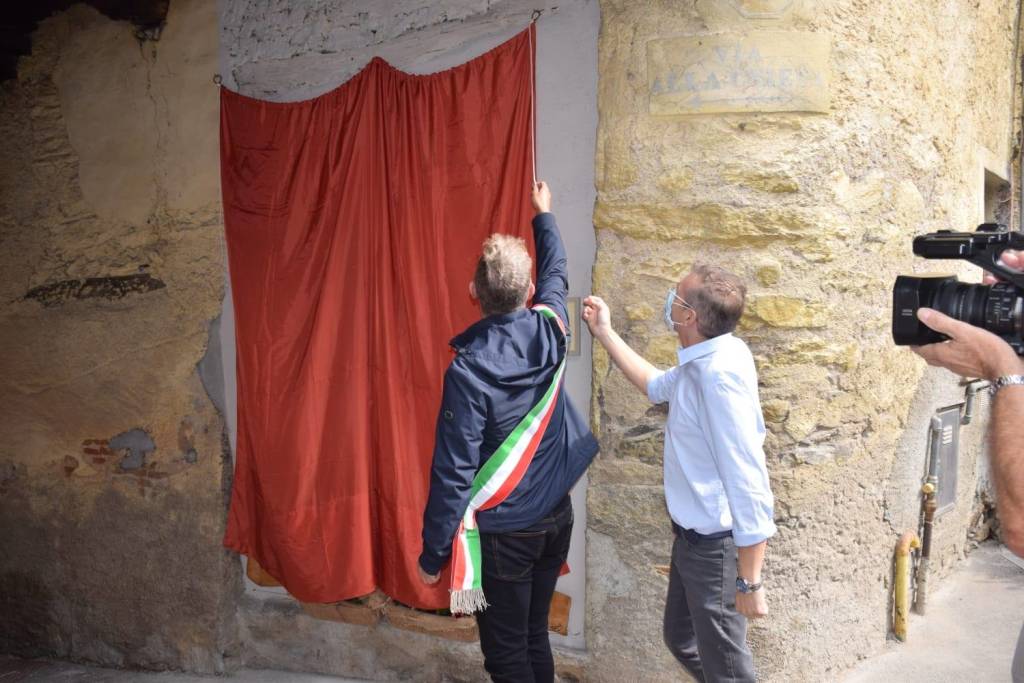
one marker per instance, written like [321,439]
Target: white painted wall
[270,52]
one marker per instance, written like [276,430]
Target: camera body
[998,308]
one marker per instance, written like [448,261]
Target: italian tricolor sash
[493,483]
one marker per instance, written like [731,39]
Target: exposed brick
[558,617]
[258,575]
[91,451]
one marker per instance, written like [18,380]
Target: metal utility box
[948,457]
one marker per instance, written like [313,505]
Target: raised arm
[552,265]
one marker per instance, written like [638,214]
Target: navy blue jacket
[503,365]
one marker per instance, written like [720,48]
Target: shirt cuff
[749,537]
[651,387]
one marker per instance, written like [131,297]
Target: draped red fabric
[353,223]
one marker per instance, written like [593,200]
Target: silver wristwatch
[1005,381]
[744,586]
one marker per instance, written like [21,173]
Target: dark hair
[502,277]
[718,300]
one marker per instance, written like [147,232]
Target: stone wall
[800,144]
[113,468]
[860,125]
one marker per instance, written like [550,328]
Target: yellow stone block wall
[815,210]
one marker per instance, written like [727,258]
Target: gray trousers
[702,627]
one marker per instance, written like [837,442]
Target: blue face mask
[670,302]
[671,299]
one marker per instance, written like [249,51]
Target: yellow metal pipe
[902,588]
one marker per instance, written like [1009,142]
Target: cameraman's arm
[974,352]
[1007,454]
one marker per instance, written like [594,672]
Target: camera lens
[960,300]
[997,308]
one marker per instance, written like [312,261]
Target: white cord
[533,104]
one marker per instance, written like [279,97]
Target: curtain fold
[353,224]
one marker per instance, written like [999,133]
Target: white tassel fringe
[468,601]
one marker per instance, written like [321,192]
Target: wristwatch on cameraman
[1005,381]
[744,586]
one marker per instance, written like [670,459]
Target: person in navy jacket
[503,365]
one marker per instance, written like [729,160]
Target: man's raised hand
[597,316]
[540,195]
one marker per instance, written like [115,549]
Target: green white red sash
[493,483]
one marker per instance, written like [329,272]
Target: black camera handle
[986,254]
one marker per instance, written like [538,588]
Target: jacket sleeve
[552,265]
[460,426]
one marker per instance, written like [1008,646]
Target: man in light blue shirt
[716,484]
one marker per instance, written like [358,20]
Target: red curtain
[353,225]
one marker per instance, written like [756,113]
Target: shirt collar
[704,348]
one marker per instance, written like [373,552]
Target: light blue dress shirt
[715,474]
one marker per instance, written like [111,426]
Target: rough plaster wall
[816,211]
[113,461]
[279,51]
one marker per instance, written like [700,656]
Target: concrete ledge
[371,609]
[451,628]
[345,612]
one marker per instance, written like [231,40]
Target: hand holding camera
[980,327]
[970,351]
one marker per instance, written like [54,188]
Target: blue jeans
[520,569]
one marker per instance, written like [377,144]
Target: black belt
[695,537]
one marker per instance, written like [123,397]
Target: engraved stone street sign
[739,72]
[761,9]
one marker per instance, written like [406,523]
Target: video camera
[998,308]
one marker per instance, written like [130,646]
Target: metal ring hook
[536,15]
[217,80]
